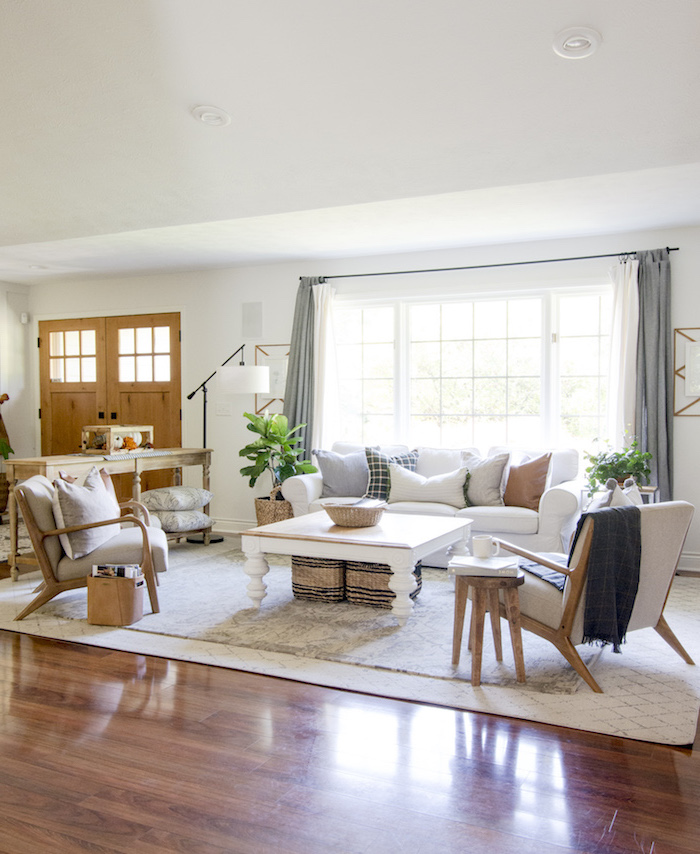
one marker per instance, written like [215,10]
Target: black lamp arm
[203,385]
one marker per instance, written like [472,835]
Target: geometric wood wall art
[686,371]
[273,356]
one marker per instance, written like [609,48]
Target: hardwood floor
[105,751]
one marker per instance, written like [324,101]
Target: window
[144,354]
[73,356]
[527,370]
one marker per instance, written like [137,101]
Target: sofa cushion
[484,489]
[343,474]
[423,508]
[526,483]
[502,520]
[406,485]
[81,505]
[378,463]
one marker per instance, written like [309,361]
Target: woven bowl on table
[352,516]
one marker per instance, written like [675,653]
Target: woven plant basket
[269,509]
[368,584]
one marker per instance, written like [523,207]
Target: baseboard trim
[689,564]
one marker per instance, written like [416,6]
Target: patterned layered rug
[650,693]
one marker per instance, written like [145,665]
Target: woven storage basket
[368,584]
[318,578]
[351,516]
[269,510]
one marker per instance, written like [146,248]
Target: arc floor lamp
[233,379]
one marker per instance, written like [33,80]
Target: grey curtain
[654,409]
[299,390]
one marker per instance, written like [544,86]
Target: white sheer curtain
[325,420]
[622,375]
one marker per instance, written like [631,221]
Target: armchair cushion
[83,505]
[125,547]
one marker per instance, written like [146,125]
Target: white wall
[210,304]
[15,374]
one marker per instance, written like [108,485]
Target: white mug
[484,546]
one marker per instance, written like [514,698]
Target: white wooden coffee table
[399,540]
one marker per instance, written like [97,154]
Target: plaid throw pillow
[378,465]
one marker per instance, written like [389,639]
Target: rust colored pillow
[526,483]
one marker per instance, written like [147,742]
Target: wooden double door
[110,370]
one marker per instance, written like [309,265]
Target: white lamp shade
[243,379]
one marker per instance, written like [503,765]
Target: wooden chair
[137,543]
[557,615]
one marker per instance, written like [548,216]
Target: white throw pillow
[486,485]
[405,485]
[81,505]
[620,499]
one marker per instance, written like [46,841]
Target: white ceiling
[358,127]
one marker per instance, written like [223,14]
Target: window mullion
[550,370]
[402,373]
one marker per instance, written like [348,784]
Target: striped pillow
[447,488]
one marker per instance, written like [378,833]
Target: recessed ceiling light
[577,42]
[213,116]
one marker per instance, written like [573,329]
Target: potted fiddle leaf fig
[273,451]
[628,462]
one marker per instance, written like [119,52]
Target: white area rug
[650,693]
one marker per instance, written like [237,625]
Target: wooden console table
[80,464]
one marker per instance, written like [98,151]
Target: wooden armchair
[558,616]
[137,543]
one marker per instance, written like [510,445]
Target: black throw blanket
[613,573]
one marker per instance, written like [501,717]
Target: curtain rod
[487,266]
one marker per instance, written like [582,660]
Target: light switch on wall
[224,409]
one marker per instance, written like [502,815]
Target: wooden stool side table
[485,594]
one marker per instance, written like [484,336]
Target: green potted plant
[274,452]
[629,462]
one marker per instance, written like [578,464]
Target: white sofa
[547,529]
